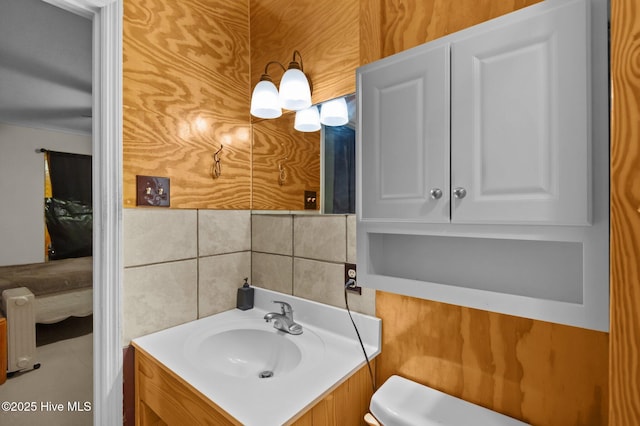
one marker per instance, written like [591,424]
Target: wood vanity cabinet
[483,167]
[164,399]
[489,125]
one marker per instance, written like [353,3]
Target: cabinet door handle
[459,193]
[436,193]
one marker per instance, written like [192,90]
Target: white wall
[22,188]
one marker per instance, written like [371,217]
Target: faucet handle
[286,308]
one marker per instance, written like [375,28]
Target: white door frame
[106,16]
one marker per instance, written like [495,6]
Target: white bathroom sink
[222,355]
[245,352]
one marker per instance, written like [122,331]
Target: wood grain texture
[164,398]
[625,214]
[273,142]
[186,92]
[326,33]
[370,31]
[542,373]
[409,23]
[345,405]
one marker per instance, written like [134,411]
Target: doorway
[106,16]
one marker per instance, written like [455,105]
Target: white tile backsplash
[272,234]
[223,231]
[159,235]
[272,271]
[320,237]
[218,280]
[183,263]
[315,269]
[159,296]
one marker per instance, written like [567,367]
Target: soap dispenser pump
[245,296]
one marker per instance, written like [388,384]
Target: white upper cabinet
[491,126]
[404,107]
[520,138]
[483,167]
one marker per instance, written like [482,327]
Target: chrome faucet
[284,320]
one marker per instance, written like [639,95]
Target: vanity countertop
[329,353]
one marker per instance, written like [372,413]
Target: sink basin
[221,356]
[245,353]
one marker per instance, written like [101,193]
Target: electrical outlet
[351,275]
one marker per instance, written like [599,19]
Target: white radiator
[18,307]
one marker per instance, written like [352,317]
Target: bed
[62,288]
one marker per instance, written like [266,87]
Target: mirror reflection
[338,170]
[289,166]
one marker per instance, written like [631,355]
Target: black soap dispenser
[245,296]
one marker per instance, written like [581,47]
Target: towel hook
[216,168]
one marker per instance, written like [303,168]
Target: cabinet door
[403,136]
[520,119]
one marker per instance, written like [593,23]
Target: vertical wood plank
[625,214]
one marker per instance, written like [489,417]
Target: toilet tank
[402,402]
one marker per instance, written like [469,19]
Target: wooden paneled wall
[186,92]
[625,214]
[539,372]
[408,23]
[324,32]
[327,36]
[546,374]
[277,145]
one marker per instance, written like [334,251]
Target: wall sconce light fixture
[294,93]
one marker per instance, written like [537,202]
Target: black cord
[346,302]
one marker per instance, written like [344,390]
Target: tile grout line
[293,256]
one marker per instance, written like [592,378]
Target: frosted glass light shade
[334,113]
[265,102]
[307,120]
[295,93]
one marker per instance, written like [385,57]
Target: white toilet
[402,402]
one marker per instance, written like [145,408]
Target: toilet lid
[402,402]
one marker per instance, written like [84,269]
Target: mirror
[286,163]
[338,165]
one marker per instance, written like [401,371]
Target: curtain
[68,213]
[70,176]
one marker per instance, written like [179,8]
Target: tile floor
[65,377]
